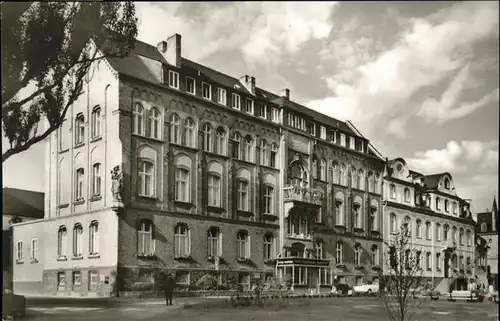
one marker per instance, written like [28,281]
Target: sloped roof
[133,66]
[432,181]
[21,202]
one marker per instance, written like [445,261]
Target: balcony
[303,195]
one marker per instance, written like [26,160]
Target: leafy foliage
[403,275]
[47,51]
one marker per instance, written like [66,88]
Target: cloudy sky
[420,79]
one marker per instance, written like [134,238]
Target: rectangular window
[438,261]
[243,195]
[268,247]
[342,140]
[334,136]
[206,90]
[268,200]
[236,101]
[34,249]
[221,96]
[96,179]
[428,260]
[352,143]
[79,130]
[61,281]
[182,185]
[312,129]
[191,85]
[275,115]
[249,106]
[77,279]
[322,132]
[214,190]
[263,111]
[93,278]
[173,79]
[96,122]
[19,251]
[182,278]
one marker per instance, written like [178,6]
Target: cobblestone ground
[331,309]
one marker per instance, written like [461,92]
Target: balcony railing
[302,194]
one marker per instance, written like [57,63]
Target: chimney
[171,50]
[249,83]
[285,93]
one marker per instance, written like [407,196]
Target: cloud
[444,110]
[425,54]
[457,157]
[262,31]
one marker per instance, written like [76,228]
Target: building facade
[487,261]
[439,221]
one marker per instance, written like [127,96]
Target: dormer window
[190,85]
[312,129]
[342,140]
[263,111]
[249,106]
[275,115]
[206,90]
[322,132]
[236,101]
[334,136]
[221,96]
[173,79]
[447,183]
[393,191]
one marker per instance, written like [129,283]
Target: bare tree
[403,274]
[47,51]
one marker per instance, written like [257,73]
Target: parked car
[14,305]
[342,289]
[366,289]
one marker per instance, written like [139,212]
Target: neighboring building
[440,223]
[217,174]
[18,206]
[487,228]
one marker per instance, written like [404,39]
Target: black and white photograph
[257,160]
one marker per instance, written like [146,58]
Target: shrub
[207,282]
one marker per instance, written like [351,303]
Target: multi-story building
[439,222]
[18,206]
[487,229]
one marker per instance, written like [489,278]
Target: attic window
[446,183]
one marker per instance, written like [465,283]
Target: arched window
[446,183]
[79,129]
[438,232]
[214,189]
[407,224]
[96,122]
[343,175]
[322,169]
[315,168]
[62,241]
[374,216]
[361,179]
[446,206]
[248,154]
[393,223]
[454,234]
[357,254]
[182,240]
[214,242]
[357,209]
[264,153]
[269,199]
[407,195]
[320,254]
[339,252]
[446,229]
[175,129]
[418,229]
[220,142]
[354,178]
[375,255]
[336,173]
[182,184]
[461,236]
[138,119]
[77,240]
[146,178]
[154,124]
[438,204]
[96,179]
[237,145]
[145,238]
[242,245]
[274,155]
[469,238]
[207,138]
[339,209]
[94,238]
[79,190]
[371,182]
[392,190]
[189,135]
[428,230]
[269,246]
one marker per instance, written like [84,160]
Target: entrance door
[312,279]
